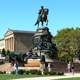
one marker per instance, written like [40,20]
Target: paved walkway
[66,75]
[6,67]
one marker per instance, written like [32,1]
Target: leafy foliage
[8,52]
[68,43]
[3,52]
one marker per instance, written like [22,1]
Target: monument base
[43,44]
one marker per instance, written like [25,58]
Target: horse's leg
[38,24]
[46,22]
[42,23]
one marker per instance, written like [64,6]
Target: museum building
[17,40]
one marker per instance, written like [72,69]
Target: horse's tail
[36,23]
[46,22]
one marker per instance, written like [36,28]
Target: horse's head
[46,11]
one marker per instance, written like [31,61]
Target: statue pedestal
[42,42]
[44,47]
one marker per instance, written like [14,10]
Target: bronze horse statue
[42,17]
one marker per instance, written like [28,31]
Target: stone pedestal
[44,47]
[43,44]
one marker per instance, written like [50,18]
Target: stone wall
[23,41]
[62,67]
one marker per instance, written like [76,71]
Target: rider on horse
[41,11]
[42,17]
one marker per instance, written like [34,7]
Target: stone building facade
[2,44]
[18,41]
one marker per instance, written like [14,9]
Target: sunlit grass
[77,78]
[13,76]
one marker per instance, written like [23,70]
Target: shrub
[13,72]
[38,72]
[21,72]
[35,72]
[2,62]
[27,72]
[60,73]
[46,72]
[32,71]
[52,73]
[2,72]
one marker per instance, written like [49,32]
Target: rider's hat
[42,7]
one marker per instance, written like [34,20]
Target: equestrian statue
[42,16]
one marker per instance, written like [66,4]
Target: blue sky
[22,14]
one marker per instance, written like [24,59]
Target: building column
[6,44]
[11,43]
[12,46]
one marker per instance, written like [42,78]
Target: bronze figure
[42,16]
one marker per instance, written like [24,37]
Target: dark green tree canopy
[3,52]
[68,42]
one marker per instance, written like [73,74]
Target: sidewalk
[66,75]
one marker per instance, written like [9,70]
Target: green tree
[3,52]
[67,41]
[8,52]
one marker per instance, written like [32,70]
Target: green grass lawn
[13,76]
[77,78]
